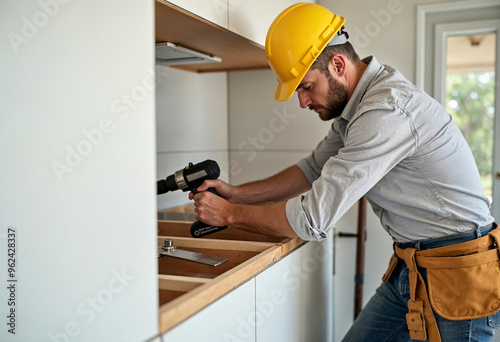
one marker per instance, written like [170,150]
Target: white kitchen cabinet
[231,318]
[318,290]
[278,300]
[289,301]
[252,19]
[78,170]
[213,10]
[294,296]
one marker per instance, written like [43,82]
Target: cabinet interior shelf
[176,25]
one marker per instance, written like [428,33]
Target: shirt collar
[371,71]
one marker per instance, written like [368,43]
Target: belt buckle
[415,320]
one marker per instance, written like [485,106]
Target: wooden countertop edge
[289,245]
[180,309]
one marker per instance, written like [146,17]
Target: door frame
[423,11]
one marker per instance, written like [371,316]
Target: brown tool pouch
[463,282]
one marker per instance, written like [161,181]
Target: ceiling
[471,53]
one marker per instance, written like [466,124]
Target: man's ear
[338,64]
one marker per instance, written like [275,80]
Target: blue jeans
[383,319]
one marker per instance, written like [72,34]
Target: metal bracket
[169,250]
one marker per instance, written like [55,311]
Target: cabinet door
[278,301]
[214,10]
[77,175]
[294,297]
[252,19]
[231,318]
[317,290]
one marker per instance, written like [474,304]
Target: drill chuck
[189,178]
[165,185]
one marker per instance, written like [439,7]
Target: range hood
[174,54]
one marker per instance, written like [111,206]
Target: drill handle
[212,190]
[199,229]
[194,190]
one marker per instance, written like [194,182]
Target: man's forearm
[265,219]
[288,183]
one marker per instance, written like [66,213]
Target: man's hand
[223,189]
[210,209]
[232,209]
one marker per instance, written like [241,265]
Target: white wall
[78,168]
[191,119]
[266,136]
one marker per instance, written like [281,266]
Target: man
[390,142]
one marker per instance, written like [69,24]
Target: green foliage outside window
[470,99]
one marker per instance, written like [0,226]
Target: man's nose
[304,100]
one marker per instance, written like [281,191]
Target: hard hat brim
[285,90]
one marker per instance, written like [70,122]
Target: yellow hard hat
[294,41]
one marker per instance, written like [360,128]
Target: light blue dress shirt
[398,147]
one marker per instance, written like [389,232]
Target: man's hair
[346,49]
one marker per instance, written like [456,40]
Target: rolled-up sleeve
[301,222]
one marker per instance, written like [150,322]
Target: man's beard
[335,102]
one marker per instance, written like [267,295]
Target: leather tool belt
[463,282]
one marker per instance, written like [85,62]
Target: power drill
[189,179]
